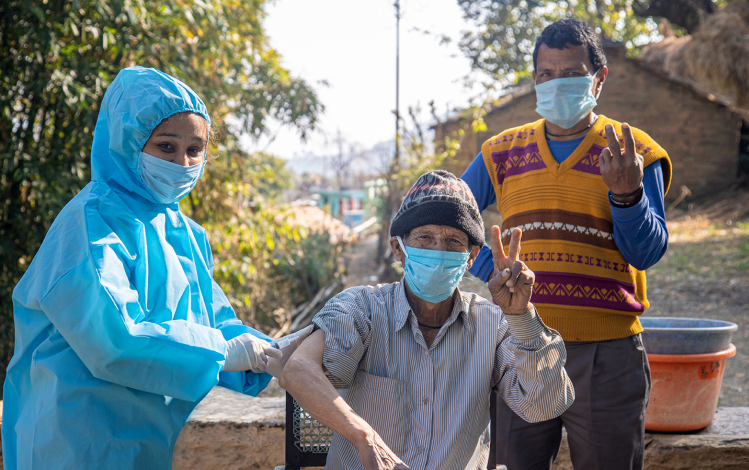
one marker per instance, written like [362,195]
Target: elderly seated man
[419,358]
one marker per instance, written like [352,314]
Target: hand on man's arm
[304,378]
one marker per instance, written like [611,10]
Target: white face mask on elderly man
[433,275]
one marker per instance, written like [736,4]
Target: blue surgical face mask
[433,275]
[166,181]
[565,101]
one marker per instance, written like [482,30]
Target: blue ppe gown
[120,327]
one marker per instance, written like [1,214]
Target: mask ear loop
[594,76]
[400,242]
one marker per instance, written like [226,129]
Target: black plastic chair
[308,442]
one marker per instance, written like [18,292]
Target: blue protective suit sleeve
[103,322]
[640,231]
[477,178]
[230,326]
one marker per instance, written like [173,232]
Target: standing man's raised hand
[512,283]
[621,170]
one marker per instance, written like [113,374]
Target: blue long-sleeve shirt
[640,231]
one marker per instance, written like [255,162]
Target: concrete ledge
[722,445]
[229,431]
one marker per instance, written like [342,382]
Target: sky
[351,45]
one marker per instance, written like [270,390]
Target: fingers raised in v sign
[512,283]
[502,261]
[629,142]
[621,170]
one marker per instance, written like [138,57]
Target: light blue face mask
[433,275]
[166,181]
[565,101]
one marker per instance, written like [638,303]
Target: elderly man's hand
[512,282]
[376,455]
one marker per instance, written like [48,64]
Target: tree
[502,46]
[342,161]
[688,14]
[58,57]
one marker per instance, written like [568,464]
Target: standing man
[587,191]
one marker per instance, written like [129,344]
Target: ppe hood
[135,103]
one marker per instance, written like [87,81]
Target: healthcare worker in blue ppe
[120,328]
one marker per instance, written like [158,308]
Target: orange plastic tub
[685,390]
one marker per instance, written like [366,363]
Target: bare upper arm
[306,359]
[311,349]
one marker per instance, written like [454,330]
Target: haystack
[667,56]
[715,57]
[719,51]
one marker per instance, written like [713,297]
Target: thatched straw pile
[719,51]
[716,57]
[667,56]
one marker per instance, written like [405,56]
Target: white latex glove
[248,352]
[288,345]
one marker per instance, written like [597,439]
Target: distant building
[345,205]
[699,130]
[373,192]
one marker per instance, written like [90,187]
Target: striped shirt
[431,404]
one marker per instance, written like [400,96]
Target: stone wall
[230,431]
[724,445]
[700,136]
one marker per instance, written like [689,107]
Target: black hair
[566,32]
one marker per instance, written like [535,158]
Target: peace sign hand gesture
[621,170]
[512,282]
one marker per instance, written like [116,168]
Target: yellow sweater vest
[584,288]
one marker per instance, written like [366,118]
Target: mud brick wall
[700,136]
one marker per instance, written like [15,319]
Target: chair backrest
[308,442]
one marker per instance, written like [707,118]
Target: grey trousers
[606,423]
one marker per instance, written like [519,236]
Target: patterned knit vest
[584,288]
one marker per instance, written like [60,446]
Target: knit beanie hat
[440,198]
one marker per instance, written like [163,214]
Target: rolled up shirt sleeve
[529,368]
[348,330]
